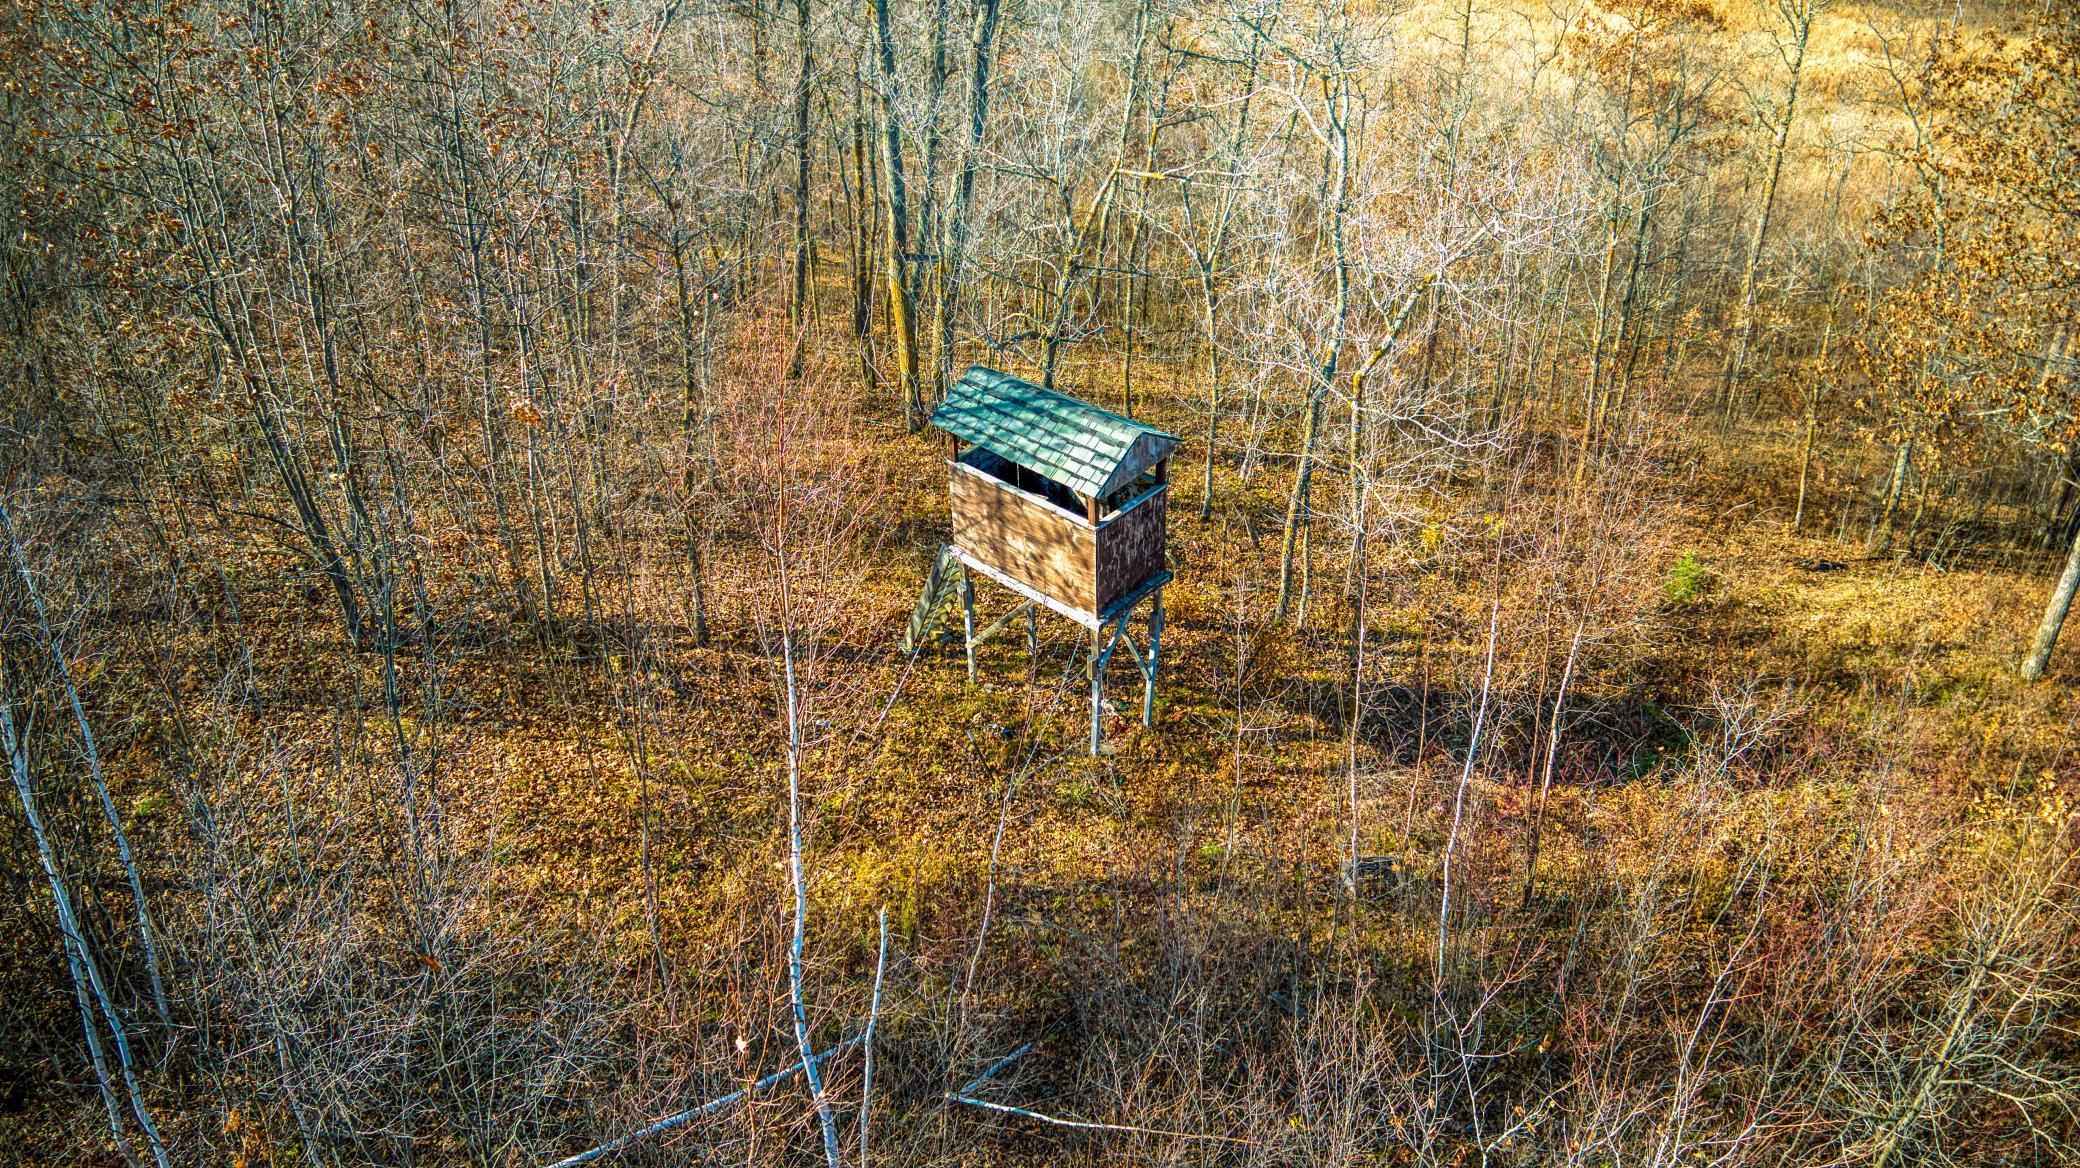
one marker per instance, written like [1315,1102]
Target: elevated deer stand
[1062,503]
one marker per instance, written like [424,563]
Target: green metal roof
[1091,451]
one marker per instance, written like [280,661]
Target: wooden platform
[1090,620]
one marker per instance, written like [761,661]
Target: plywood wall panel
[1130,548]
[1024,538]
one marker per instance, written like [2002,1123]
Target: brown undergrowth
[1770,863]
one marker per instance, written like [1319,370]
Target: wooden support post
[1155,652]
[996,625]
[1133,650]
[1107,630]
[1097,691]
[1098,661]
[1097,694]
[968,621]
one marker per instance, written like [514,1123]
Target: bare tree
[1790,33]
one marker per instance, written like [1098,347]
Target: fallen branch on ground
[963,1096]
[709,1108]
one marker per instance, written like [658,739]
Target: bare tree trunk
[2039,658]
[862,202]
[901,310]
[1881,532]
[1064,286]
[1451,843]
[1625,343]
[1096,221]
[1599,324]
[1545,783]
[1298,504]
[93,755]
[1134,258]
[1209,265]
[798,301]
[692,420]
[1805,451]
[1799,14]
[2059,526]
[78,958]
[69,935]
[797,873]
[1361,481]
[982,41]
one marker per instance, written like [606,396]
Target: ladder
[942,590]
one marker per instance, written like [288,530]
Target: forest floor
[630,812]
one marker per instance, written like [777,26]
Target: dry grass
[1161,911]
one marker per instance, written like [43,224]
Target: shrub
[1687,581]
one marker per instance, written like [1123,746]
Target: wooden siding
[1130,547]
[1024,537]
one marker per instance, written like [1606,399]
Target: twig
[994,1070]
[1086,1125]
[998,1067]
[989,893]
[709,1108]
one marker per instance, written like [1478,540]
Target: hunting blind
[1062,503]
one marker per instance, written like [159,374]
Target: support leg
[968,621]
[1103,646]
[1155,652]
[1032,630]
[1097,690]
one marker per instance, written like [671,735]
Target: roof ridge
[1072,400]
[1085,447]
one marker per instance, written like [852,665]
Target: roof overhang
[1090,450]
